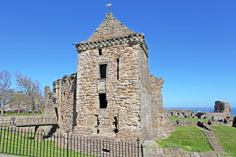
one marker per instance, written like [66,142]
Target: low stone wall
[17,117]
[152,149]
[180,113]
[181,122]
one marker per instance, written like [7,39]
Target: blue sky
[192,44]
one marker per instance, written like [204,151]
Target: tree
[18,101]
[31,89]
[5,92]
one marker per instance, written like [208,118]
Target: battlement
[134,38]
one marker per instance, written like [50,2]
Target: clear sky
[192,43]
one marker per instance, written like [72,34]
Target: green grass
[227,138]
[21,114]
[189,119]
[18,143]
[188,138]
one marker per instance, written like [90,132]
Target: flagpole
[109,7]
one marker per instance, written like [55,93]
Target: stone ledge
[134,38]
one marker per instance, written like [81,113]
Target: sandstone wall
[180,113]
[123,96]
[161,126]
[48,105]
[64,98]
[134,100]
[223,107]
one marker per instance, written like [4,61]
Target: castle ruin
[112,94]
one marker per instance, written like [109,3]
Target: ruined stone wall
[222,107]
[180,113]
[161,126]
[64,99]
[131,98]
[48,106]
[145,94]
[122,94]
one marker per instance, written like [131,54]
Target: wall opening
[56,112]
[74,110]
[103,100]
[100,52]
[118,62]
[74,95]
[97,124]
[103,71]
[64,95]
[116,125]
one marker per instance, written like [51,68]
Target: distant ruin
[223,107]
[112,94]
[221,115]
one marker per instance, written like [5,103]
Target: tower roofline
[110,28]
[133,38]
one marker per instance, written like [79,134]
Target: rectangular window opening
[118,62]
[100,52]
[103,100]
[103,71]
[74,95]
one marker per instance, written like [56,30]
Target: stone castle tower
[112,94]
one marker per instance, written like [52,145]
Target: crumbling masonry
[112,94]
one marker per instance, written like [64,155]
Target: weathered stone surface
[107,30]
[133,101]
[203,125]
[64,99]
[180,113]
[182,122]
[234,122]
[201,115]
[223,107]
[150,148]
[39,134]
[48,106]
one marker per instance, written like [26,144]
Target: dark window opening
[118,61]
[106,150]
[103,100]
[97,121]
[116,125]
[103,71]
[100,52]
[74,110]
[74,94]
[56,112]
[97,124]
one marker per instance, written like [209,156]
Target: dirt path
[213,141]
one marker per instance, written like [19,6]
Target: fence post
[67,143]
[138,145]
[142,150]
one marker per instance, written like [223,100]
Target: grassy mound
[227,138]
[189,119]
[187,138]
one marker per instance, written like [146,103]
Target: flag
[108,5]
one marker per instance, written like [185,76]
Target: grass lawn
[188,138]
[26,144]
[21,114]
[227,138]
[189,119]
